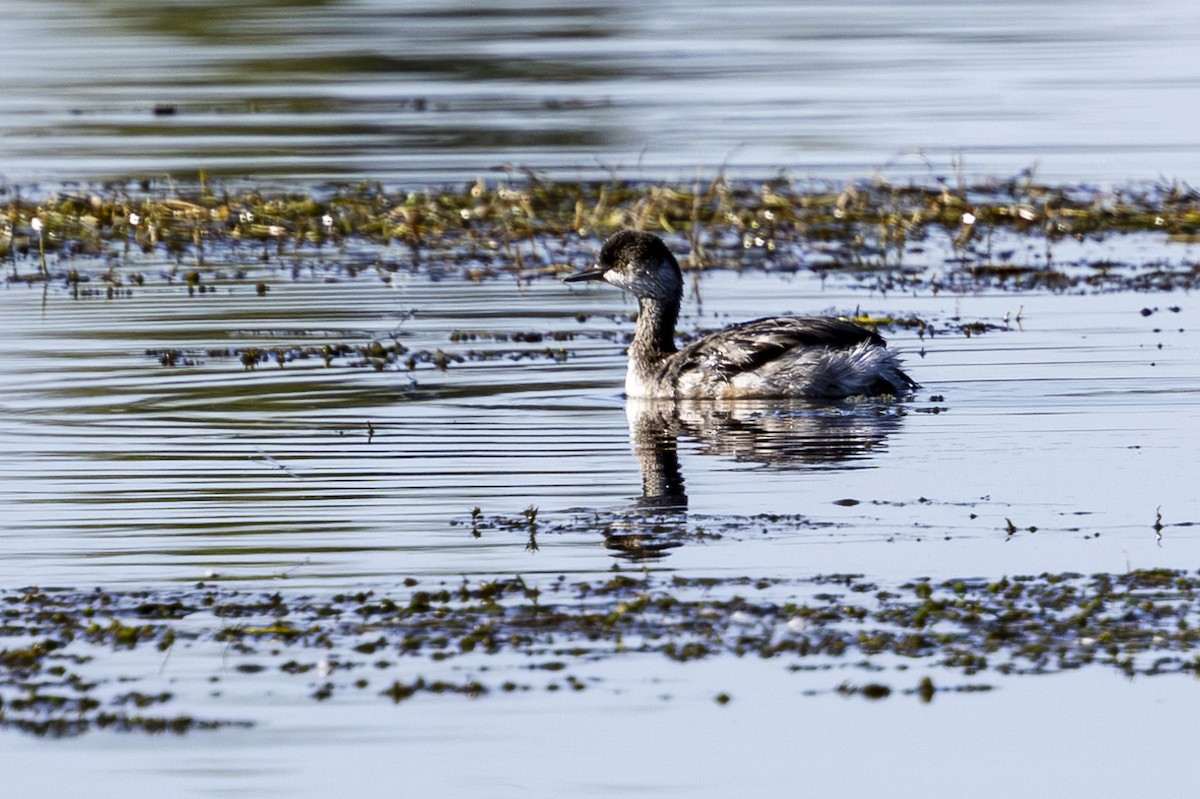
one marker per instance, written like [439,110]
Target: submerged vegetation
[62,670]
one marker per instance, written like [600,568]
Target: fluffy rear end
[825,373]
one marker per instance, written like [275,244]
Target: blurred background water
[416,91]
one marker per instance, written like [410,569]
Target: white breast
[638,385]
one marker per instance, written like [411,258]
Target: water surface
[1050,443]
[1081,91]
[1078,420]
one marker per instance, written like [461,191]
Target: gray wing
[745,347]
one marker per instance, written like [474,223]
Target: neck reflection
[786,435]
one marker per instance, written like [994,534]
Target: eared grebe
[782,356]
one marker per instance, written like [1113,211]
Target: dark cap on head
[630,251]
[632,246]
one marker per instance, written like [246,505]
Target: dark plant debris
[111,241]
[61,673]
[107,240]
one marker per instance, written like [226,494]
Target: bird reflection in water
[781,435]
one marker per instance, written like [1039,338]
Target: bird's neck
[654,337]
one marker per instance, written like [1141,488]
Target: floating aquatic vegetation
[886,236]
[110,242]
[60,668]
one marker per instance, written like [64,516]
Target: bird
[813,357]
